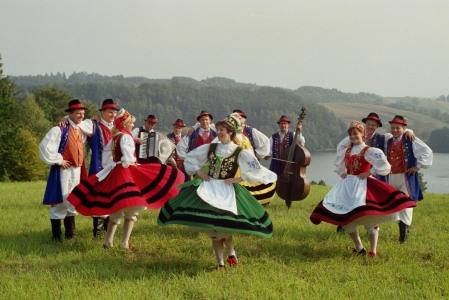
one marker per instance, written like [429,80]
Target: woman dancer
[359,198]
[123,188]
[219,204]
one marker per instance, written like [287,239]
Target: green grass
[301,261]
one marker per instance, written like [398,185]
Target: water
[321,168]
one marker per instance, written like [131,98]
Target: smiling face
[355,136]
[397,130]
[204,122]
[224,136]
[77,115]
[108,114]
[371,126]
[283,126]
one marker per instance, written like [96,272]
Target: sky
[387,47]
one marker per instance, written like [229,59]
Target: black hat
[240,112]
[75,104]
[399,120]
[204,113]
[108,103]
[151,119]
[373,116]
[284,118]
[180,123]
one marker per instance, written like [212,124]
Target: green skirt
[187,208]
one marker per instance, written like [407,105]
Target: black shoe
[56,230]
[361,252]
[97,226]
[69,225]
[340,229]
[404,231]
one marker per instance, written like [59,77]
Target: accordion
[156,147]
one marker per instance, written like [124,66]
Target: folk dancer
[406,158]
[124,188]
[218,204]
[359,198]
[63,149]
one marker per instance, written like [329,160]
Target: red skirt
[381,199]
[149,185]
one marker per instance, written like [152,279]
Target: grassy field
[301,261]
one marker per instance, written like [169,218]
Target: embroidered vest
[74,151]
[195,139]
[222,168]
[101,137]
[116,149]
[278,145]
[376,141]
[356,164]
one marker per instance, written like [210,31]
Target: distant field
[300,261]
[421,124]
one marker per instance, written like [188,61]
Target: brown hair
[228,127]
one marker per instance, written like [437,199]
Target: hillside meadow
[301,261]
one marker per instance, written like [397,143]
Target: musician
[123,188]
[281,140]
[202,135]
[175,136]
[218,204]
[63,149]
[150,123]
[407,158]
[358,198]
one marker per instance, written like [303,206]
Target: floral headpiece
[122,116]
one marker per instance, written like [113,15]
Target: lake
[321,168]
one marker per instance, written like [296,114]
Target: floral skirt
[189,209]
[149,185]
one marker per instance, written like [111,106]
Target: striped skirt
[381,203]
[189,209]
[149,185]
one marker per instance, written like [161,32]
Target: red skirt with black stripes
[382,200]
[149,185]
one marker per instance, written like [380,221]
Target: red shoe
[232,260]
[372,254]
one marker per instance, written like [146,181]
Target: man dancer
[62,148]
[150,123]
[406,159]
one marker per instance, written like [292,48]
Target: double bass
[292,183]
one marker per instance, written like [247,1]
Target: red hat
[108,103]
[75,104]
[151,119]
[399,120]
[179,123]
[240,112]
[373,116]
[122,116]
[204,113]
[283,118]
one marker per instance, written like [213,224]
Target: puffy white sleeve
[261,143]
[339,162]
[128,148]
[135,132]
[344,144]
[182,147]
[423,154]
[196,159]
[48,148]
[271,146]
[252,171]
[378,160]
[300,139]
[87,127]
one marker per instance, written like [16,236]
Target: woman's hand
[233,180]
[200,173]
[364,175]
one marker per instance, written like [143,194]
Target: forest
[30,105]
